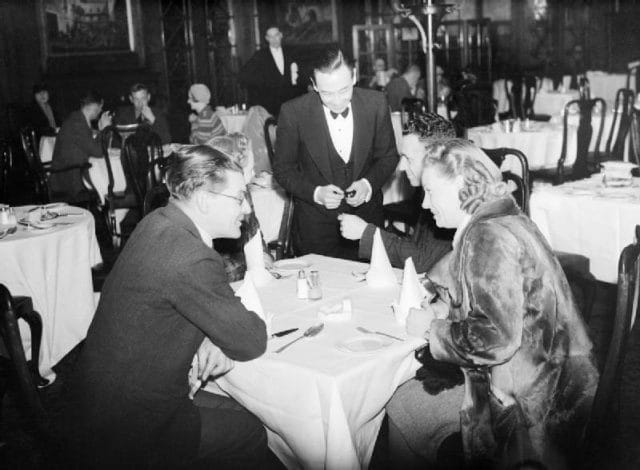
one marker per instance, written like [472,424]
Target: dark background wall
[187,41]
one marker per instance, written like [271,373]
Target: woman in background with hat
[205,123]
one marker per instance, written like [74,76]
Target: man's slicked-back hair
[90,97]
[137,87]
[193,167]
[329,59]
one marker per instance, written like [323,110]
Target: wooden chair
[576,267]
[634,130]
[156,197]
[270,125]
[521,195]
[621,121]
[37,170]
[282,247]
[625,314]
[25,372]
[633,70]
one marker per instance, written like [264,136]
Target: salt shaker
[315,291]
[302,288]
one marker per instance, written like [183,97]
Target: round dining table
[51,263]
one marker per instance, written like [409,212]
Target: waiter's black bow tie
[344,113]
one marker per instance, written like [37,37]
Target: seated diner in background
[167,299]
[404,86]
[427,243]
[75,143]
[205,123]
[40,114]
[512,334]
[141,113]
[236,146]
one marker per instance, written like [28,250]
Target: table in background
[233,122]
[605,85]
[552,102]
[47,143]
[53,267]
[586,218]
[323,407]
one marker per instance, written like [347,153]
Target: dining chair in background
[603,409]
[282,247]
[633,75]
[621,121]
[634,130]
[521,180]
[270,126]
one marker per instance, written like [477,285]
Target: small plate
[291,264]
[363,344]
[41,225]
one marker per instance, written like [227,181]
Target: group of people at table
[508,353]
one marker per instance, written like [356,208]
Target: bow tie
[344,114]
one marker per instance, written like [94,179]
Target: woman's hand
[419,322]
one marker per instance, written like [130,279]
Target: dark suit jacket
[74,145]
[35,117]
[267,87]
[127,115]
[167,291]
[302,162]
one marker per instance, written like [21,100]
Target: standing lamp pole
[429,10]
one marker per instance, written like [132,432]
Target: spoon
[364,330]
[309,333]
[277,275]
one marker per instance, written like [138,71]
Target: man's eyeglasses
[239,200]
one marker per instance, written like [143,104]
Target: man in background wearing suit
[142,113]
[335,149]
[271,74]
[166,300]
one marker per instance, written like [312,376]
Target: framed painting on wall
[88,27]
[308,21]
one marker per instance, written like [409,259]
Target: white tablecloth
[268,204]
[586,218]
[542,143]
[552,102]
[53,267]
[323,407]
[233,122]
[47,143]
[605,85]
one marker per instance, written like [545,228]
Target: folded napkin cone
[380,272]
[411,294]
[255,261]
[251,300]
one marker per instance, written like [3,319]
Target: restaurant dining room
[320,234]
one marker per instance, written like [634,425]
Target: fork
[309,333]
[365,330]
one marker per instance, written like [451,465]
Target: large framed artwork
[308,21]
[88,27]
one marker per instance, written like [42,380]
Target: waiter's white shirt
[278,57]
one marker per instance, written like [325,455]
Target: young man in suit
[141,113]
[166,300]
[271,74]
[335,149]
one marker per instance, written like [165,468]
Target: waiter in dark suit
[335,149]
[271,74]
[167,299]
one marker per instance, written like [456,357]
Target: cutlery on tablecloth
[309,333]
[279,334]
[365,330]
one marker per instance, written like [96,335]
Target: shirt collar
[206,238]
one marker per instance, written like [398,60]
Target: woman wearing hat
[205,123]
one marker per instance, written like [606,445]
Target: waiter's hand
[357,193]
[148,114]
[212,361]
[329,196]
[351,226]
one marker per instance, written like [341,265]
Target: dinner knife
[284,332]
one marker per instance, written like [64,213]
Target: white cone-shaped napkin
[380,272]
[251,300]
[411,294]
[255,261]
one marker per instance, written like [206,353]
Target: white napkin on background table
[251,300]
[255,261]
[380,272]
